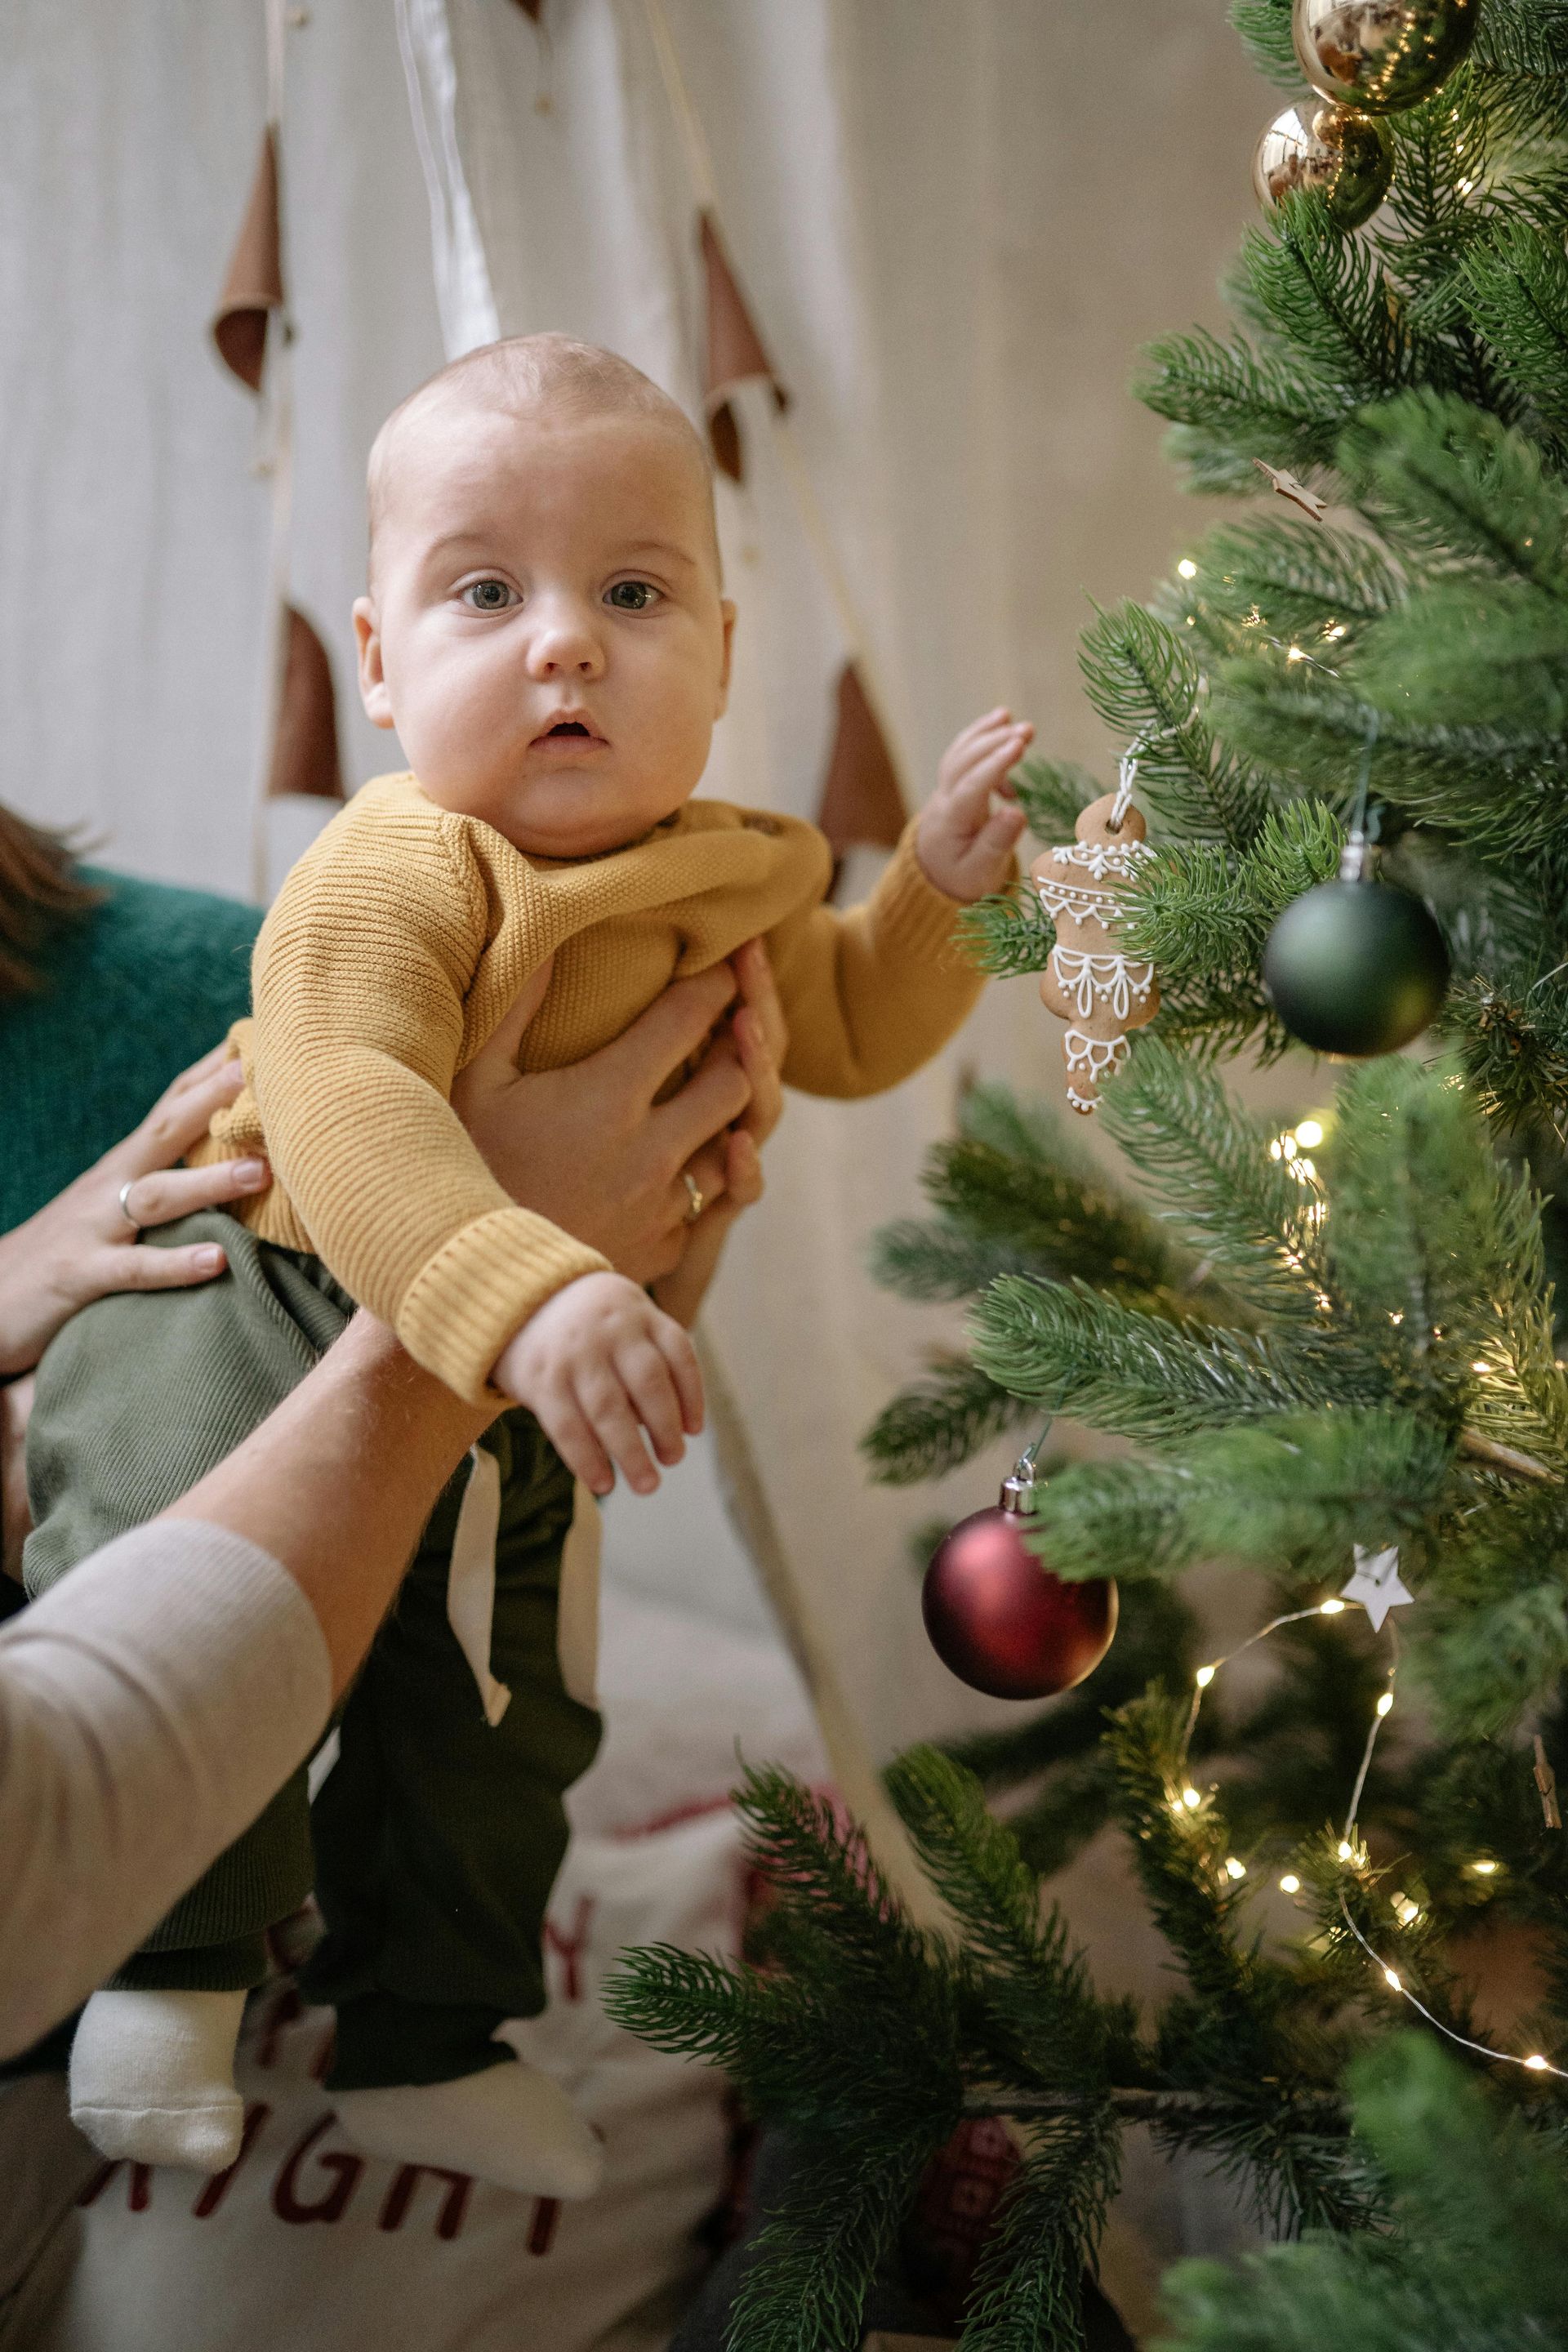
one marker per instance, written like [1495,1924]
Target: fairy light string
[1352,1854]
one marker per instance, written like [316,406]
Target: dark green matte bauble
[1356,968]
[1381,56]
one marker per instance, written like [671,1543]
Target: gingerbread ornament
[1100,993]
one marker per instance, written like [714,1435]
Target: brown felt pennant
[735,354]
[862,803]
[305,744]
[254,286]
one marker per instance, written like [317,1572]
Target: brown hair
[39,890]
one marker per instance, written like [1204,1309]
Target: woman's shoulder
[158,924]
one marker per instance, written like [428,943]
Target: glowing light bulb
[1191,1798]
[1291,1884]
[1483,1869]
[1295,654]
[1536,2062]
[1203,1676]
[1288,1147]
[1233,1869]
[1309,1134]
[1385,1704]
[1187,568]
[1347,1851]
[1480,1364]
[1391,1976]
[1331,1609]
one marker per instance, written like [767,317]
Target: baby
[546,629]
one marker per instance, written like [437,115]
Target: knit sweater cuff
[914,919]
[482,1287]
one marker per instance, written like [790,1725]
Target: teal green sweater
[131,993]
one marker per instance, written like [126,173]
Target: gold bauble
[1331,152]
[1381,56]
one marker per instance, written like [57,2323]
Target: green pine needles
[1299,1352]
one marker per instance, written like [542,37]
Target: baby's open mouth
[569,730]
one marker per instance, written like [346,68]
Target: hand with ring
[86,1241]
[653,1179]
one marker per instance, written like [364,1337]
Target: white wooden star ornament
[1297,492]
[1376,1584]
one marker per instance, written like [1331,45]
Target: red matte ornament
[997,1617]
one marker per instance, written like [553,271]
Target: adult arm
[152,1704]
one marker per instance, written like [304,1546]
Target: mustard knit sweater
[395,948]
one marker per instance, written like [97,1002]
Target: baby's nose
[566,645]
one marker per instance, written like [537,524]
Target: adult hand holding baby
[600,1356]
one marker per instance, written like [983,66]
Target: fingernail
[251,1174]
[209,1259]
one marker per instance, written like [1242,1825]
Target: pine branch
[1296,1492]
[1516,287]
[1007,934]
[1145,686]
[1264,26]
[1231,403]
[936,1424]
[1251,1218]
[1051,793]
[1449,485]
[1478,2256]
[1131,1374]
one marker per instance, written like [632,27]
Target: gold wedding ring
[694,1196]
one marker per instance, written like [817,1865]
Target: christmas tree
[1326,1348]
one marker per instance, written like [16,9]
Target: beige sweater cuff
[482,1287]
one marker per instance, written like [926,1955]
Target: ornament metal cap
[1358,859]
[1020,1489]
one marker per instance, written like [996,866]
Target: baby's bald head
[534,377]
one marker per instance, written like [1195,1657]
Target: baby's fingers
[674,1345]
[608,1410]
[654,1394]
[567,1429]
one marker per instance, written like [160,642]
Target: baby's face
[544,628]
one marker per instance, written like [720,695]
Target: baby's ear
[727,619]
[373,690]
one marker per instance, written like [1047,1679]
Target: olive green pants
[437,1836]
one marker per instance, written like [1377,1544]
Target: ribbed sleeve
[148,1707]
[873,993]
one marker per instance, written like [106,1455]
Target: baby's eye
[487,595]
[632,595]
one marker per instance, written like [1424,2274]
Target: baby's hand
[595,1360]
[965,846]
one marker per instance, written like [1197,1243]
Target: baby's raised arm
[872,992]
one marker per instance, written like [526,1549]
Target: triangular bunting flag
[735,353]
[254,285]
[305,744]
[535,8]
[862,803]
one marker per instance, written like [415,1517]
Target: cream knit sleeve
[874,990]
[360,978]
[150,1706]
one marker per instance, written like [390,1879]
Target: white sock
[151,2077]
[510,2125]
